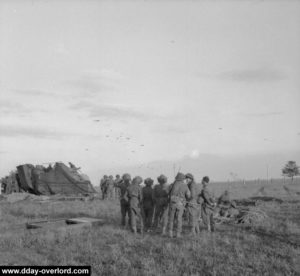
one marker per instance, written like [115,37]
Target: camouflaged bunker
[57,179]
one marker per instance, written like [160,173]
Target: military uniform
[110,187]
[148,203]
[124,201]
[179,193]
[207,208]
[224,204]
[117,181]
[135,196]
[103,186]
[161,201]
[193,204]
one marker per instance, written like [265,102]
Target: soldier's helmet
[126,177]
[162,179]
[105,176]
[148,181]
[190,176]
[110,177]
[180,176]
[137,180]
[117,176]
[205,179]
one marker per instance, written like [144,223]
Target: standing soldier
[161,203]
[124,203]
[207,206]
[179,193]
[103,186]
[110,184]
[135,196]
[148,202]
[4,185]
[118,180]
[193,206]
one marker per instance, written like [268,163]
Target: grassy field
[271,247]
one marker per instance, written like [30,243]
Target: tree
[290,169]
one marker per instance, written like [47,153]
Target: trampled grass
[271,247]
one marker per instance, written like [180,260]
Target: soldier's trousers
[148,215]
[136,214]
[110,192]
[194,212]
[125,210]
[207,218]
[176,210]
[161,214]
[104,193]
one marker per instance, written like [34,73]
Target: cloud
[93,82]
[104,74]
[167,126]
[262,114]
[118,112]
[85,86]
[96,110]
[10,107]
[257,75]
[32,92]
[34,132]
[20,107]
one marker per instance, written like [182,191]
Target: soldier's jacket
[207,198]
[117,182]
[195,192]
[161,194]
[103,184]
[179,192]
[123,190]
[148,201]
[110,183]
[135,195]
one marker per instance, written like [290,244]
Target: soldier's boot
[171,234]
[134,231]
[163,231]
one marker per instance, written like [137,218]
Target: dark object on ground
[63,223]
[253,201]
[266,199]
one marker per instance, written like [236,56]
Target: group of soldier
[162,205]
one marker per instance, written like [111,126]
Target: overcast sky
[111,83]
